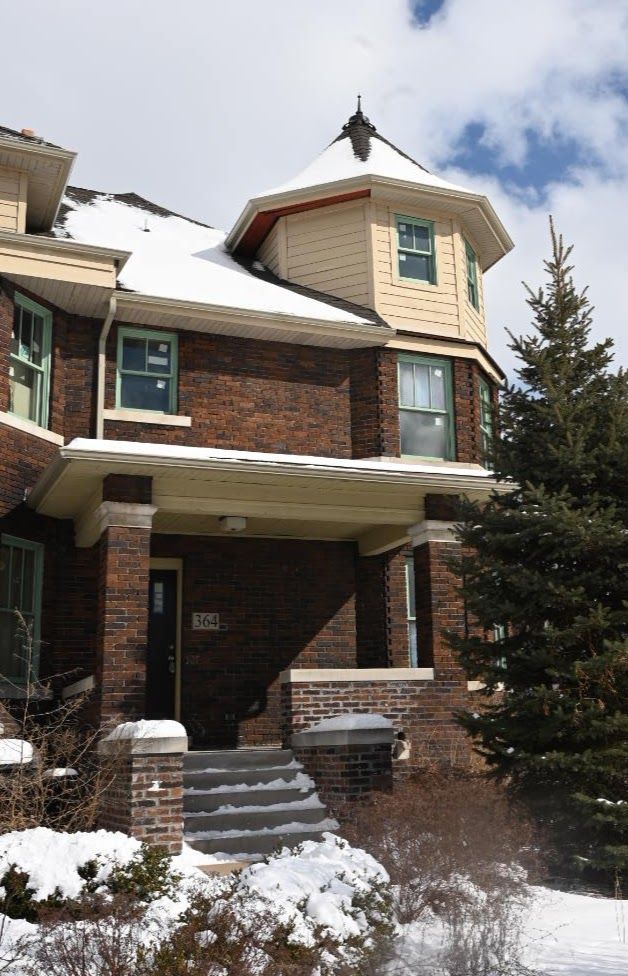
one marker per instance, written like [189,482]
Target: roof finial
[360,104]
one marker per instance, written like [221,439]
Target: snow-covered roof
[361,151]
[173,257]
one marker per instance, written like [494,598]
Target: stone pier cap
[147,737]
[348,729]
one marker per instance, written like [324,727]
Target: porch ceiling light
[232,523]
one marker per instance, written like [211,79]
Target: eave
[260,213]
[48,169]
[282,496]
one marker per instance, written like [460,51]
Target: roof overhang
[48,170]
[475,210]
[282,496]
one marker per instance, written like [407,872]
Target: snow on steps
[248,802]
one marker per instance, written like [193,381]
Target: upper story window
[472,276]
[29,361]
[486,420]
[21,572]
[415,249]
[147,371]
[426,416]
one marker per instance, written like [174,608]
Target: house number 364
[203,620]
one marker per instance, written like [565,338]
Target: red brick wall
[424,710]
[374,403]
[131,804]
[285,603]
[348,772]
[122,622]
[439,607]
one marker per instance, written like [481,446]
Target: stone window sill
[28,427]
[147,417]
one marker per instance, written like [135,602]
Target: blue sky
[200,105]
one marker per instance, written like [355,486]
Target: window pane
[437,377]
[145,393]
[416,266]
[23,390]
[28,580]
[15,583]
[5,559]
[12,664]
[424,434]
[421,386]
[422,238]
[406,237]
[38,340]
[406,383]
[134,354]
[24,347]
[15,334]
[413,643]
[159,355]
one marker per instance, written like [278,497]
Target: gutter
[100,368]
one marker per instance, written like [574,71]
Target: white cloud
[199,104]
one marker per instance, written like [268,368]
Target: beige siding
[12,201]
[474,324]
[327,249]
[272,250]
[415,307]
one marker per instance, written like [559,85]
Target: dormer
[367,223]
[33,176]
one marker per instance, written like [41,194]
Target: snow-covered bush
[105,905]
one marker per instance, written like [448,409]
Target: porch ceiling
[283,496]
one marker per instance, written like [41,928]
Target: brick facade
[348,772]
[123,558]
[424,710]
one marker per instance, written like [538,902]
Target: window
[486,420]
[147,371]
[472,276]
[425,407]
[29,361]
[415,249]
[21,565]
[413,654]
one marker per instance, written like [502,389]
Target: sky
[199,105]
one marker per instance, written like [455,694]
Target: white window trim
[29,427]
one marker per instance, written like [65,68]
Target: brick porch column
[124,561]
[439,607]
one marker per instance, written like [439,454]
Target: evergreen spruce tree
[547,564]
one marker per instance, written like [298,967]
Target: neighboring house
[227,462]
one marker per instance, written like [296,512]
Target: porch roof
[371,501]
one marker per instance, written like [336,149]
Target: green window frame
[473,292]
[21,579]
[413,650]
[486,420]
[29,361]
[426,409]
[147,371]
[416,252]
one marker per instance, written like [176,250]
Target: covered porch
[222,624]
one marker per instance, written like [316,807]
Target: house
[227,462]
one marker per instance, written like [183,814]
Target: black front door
[161,663]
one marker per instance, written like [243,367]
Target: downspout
[102,362]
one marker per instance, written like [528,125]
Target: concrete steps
[249,802]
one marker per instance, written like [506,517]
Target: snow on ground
[175,258]
[577,935]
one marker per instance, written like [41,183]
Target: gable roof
[176,258]
[6,133]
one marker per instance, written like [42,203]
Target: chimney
[28,132]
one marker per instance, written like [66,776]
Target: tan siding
[270,251]
[12,201]
[474,325]
[424,308]
[327,250]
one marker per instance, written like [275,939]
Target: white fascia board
[380,334]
